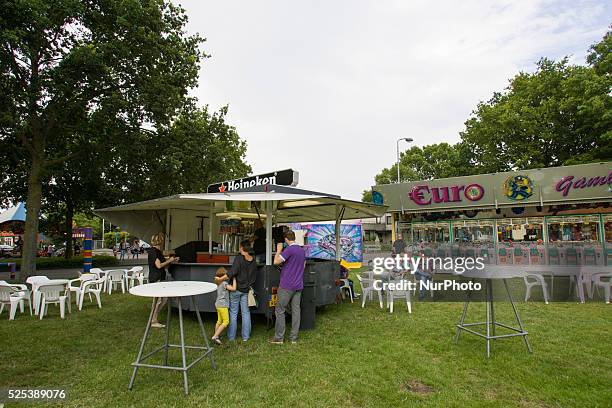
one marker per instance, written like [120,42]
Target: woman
[157,271]
[244,270]
[136,248]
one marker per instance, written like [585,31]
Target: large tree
[66,65]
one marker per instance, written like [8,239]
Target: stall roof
[16,213]
[291,205]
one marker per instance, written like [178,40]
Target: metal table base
[490,322]
[165,347]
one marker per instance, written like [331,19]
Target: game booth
[205,229]
[549,216]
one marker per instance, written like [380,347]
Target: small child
[222,303]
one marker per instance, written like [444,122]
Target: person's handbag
[251,298]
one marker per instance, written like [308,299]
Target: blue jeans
[422,276]
[239,300]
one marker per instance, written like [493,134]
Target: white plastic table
[36,294]
[488,274]
[178,290]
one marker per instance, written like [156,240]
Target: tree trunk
[30,237]
[69,217]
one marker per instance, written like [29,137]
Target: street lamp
[407,139]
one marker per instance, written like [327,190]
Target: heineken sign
[287,177]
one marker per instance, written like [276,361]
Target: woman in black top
[244,270]
[157,271]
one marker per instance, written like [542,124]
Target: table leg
[491,303]
[488,318]
[185,383]
[197,310]
[144,339]
[168,331]
[579,287]
[462,320]
[518,319]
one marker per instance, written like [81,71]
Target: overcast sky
[327,87]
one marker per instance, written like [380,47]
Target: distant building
[12,224]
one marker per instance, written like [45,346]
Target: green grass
[354,358]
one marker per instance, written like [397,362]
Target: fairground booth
[205,230]
[556,216]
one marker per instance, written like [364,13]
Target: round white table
[178,290]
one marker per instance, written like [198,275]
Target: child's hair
[220,272]
[246,246]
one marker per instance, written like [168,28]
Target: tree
[67,65]
[559,115]
[432,161]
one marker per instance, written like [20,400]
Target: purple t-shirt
[292,272]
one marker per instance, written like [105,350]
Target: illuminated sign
[424,195]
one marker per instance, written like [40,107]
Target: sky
[327,87]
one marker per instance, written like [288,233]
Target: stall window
[608,228]
[520,230]
[573,229]
[431,233]
[473,233]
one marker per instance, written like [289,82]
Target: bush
[74,262]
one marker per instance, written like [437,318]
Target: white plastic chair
[96,287]
[346,286]
[532,280]
[598,282]
[398,294]
[52,294]
[134,275]
[367,287]
[115,277]
[11,296]
[36,281]
[78,290]
[22,290]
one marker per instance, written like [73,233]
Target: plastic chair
[52,294]
[115,277]
[12,297]
[133,275]
[398,293]
[538,280]
[367,287]
[96,287]
[78,290]
[345,285]
[598,282]
[36,281]
[22,290]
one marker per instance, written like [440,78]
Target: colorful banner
[320,241]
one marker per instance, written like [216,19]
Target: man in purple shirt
[289,292]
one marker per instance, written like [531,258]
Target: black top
[399,246]
[155,273]
[259,244]
[245,273]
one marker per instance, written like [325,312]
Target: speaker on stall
[539,208]
[498,211]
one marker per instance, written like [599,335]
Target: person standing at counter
[157,271]
[289,293]
[244,270]
[259,242]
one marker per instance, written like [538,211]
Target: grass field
[355,358]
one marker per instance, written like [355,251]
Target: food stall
[204,231]
[557,216]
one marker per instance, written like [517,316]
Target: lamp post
[407,139]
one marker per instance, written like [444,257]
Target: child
[222,303]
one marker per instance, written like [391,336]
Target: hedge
[56,262]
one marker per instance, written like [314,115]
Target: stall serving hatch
[204,230]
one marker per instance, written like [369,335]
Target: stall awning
[291,205]
[16,213]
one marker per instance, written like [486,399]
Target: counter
[322,275]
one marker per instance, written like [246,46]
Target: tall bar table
[177,290]
[492,272]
